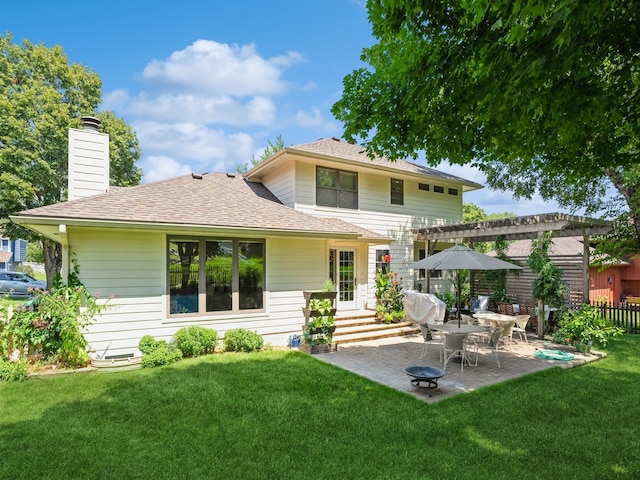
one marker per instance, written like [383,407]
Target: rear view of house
[227,251]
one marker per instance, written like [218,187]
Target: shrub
[194,340]
[13,370]
[157,352]
[54,324]
[148,344]
[241,340]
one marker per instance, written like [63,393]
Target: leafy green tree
[548,286]
[540,95]
[270,149]
[42,95]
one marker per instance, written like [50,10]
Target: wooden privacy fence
[623,314]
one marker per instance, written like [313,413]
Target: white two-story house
[229,251]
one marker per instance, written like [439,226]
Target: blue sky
[206,84]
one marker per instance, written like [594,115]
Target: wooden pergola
[519,228]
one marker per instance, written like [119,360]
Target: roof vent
[197,176]
[231,175]
[91,124]
[335,139]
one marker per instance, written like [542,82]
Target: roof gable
[345,152]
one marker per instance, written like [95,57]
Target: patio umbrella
[459,258]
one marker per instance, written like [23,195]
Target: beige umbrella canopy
[459,258]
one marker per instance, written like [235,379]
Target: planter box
[327,348]
[321,294]
[308,313]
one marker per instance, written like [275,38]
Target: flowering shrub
[389,296]
[52,325]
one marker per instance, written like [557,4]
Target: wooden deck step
[363,327]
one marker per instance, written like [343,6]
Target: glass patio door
[346,284]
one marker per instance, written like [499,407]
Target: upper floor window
[397,191]
[336,188]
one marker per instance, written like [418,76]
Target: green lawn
[283,414]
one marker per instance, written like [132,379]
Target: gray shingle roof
[342,150]
[214,200]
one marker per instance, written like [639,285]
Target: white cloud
[159,167]
[194,146]
[216,68]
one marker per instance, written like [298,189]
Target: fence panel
[623,314]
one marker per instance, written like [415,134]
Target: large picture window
[215,275]
[336,188]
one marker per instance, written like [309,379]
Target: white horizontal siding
[131,268]
[281,184]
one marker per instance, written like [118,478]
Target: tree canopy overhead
[541,95]
[42,95]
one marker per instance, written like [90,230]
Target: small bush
[157,352]
[148,344]
[194,340]
[241,340]
[13,370]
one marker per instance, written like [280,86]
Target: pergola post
[585,267]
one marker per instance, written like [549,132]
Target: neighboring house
[12,253]
[228,251]
[610,284]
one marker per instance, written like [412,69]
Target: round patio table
[452,327]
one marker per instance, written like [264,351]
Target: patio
[383,361]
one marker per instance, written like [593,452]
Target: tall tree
[541,95]
[270,149]
[42,95]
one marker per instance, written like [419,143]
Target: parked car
[18,284]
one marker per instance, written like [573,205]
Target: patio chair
[520,327]
[455,344]
[430,337]
[490,340]
[505,308]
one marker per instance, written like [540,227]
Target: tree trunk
[631,193]
[52,260]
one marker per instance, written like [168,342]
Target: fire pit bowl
[424,373]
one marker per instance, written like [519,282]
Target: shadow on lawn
[288,415]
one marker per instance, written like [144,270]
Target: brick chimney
[88,160]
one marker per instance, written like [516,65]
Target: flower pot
[583,347]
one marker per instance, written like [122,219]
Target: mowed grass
[284,414]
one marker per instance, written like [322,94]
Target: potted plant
[584,327]
[389,297]
[319,325]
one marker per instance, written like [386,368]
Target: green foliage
[389,296]
[13,370]
[585,325]
[520,89]
[28,269]
[270,150]
[328,286]
[242,340]
[157,352]
[448,297]
[53,324]
[148,344]
[42,95]
[34,252]
[548,285]
[162,354]
[194,340]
